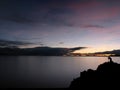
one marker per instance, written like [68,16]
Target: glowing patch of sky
[85,23]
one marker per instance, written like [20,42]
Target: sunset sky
[62,23]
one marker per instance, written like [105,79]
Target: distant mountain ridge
[42,51]
[116,52]
[47,51]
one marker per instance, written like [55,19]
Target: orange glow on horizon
[93,50]
[29,46]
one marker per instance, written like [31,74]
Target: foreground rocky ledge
[106,75]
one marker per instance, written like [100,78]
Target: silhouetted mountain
[107,76]
[116,52]
[42,51]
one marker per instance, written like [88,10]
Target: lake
[44,72]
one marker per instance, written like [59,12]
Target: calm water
[44,72]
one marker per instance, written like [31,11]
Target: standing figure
[110,59]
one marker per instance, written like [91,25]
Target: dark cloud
[34,11]
[83,25]
[51,12]
[16,18]
[61,42]
[77,48]
[91,26]
[35,41]
[7,43]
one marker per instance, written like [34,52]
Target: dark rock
[107,75]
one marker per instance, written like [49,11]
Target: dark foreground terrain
[107,75]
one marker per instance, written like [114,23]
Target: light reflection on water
[44,72]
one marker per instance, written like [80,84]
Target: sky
[94,24]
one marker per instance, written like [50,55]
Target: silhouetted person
[110,59]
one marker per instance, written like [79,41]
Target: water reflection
[44,72]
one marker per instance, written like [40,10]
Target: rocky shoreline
[106,75]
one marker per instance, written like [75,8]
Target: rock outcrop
[107,75]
